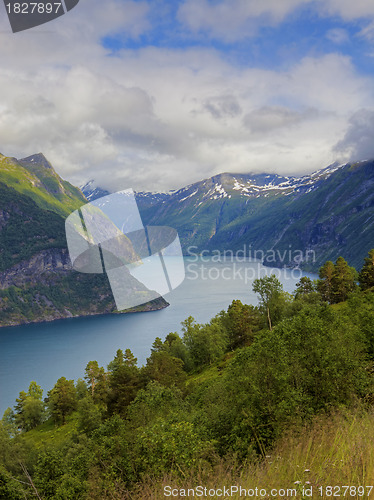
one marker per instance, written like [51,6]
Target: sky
[158,94]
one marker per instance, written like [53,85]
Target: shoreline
[77,316]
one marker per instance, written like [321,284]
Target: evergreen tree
[8,423]
[366,276]
[343,280]
[165,369]
[325,282]
[304,287]
[241,321]
[117,361]
[29,410]
[129,359]
[19,409]
[81,389]
[96,377]
[62,399]
[124,383]
[158,345]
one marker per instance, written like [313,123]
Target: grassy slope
[335,450]
[42,185]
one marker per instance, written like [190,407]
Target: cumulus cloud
[358,141]
[159,118]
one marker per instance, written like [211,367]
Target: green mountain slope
[37,282]
[25,228]
[337,218]
[35,177]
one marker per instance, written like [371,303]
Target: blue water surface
[46,351]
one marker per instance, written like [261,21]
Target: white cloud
[157,118]
[368,32]
[338,36]
[232,20]
[269,118]
[347,9]
[358,141]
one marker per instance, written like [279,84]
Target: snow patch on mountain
[227,186]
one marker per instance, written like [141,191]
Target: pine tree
[241,321]
[29,410]
[336,281]
[304,287]
[324,284]
[94,373]
[343,281]
[124,383]
[62,399]
[366,276]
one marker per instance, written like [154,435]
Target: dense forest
[277,394]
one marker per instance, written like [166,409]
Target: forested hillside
[277,395]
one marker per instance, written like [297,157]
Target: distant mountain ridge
[228,184]
[325,214]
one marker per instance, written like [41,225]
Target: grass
[335,450]
[50,433]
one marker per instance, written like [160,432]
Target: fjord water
[45,352]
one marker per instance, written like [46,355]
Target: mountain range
[37,282]
[288,221]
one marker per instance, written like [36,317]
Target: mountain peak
[38,160]
[35,177]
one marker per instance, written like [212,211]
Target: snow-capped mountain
[330,212]
[228,185]
[92,192]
